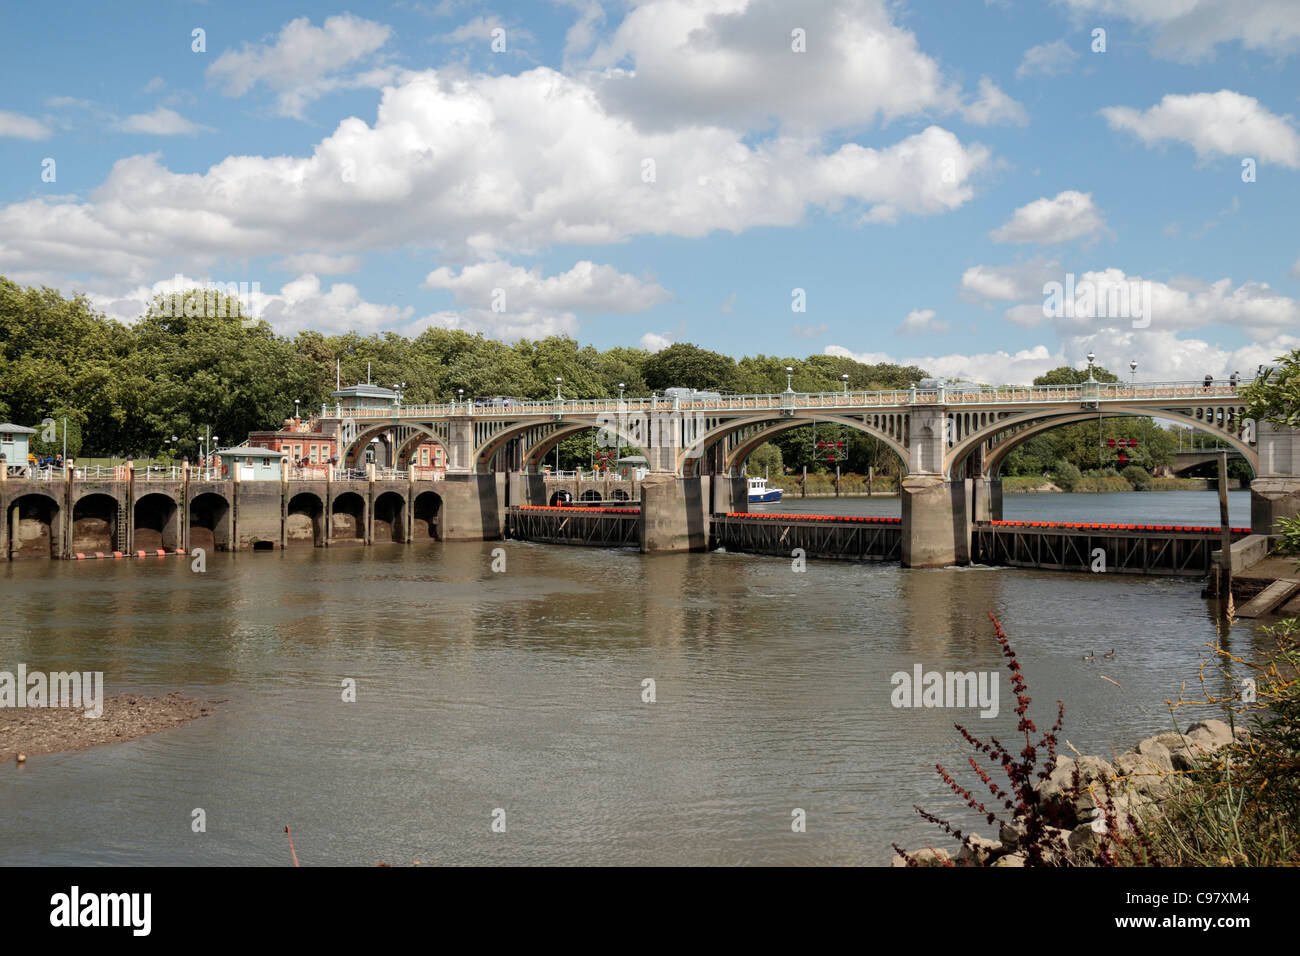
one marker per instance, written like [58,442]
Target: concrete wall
[674,513]
[474,507]
[936,529]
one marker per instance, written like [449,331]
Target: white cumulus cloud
[1068,215]
[1225,123]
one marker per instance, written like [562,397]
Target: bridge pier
[986,498]
[1275,492]
[473,506]
[936,523]
[674,513]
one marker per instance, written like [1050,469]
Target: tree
[683,365]
[766,459]
[1068,375]
[1275,396]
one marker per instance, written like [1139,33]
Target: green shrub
[1067,475]
[1137,476]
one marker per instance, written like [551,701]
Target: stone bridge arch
[1002,433]
[540,436]
[742,435]
[400,437]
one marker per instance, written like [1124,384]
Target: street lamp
[296,403]
[460,392]
[845,379]
[1133,369]
[621,386]
[558,381]
[789,373]
[1091,358]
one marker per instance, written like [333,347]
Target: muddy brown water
[522,691]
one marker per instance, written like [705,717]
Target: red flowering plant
[1014,802]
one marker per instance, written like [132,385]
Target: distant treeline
[128,388]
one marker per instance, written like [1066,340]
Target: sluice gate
[592,527]
[1111,548]
[820,536]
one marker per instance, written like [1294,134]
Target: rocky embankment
[1138,779]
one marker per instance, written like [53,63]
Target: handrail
[787,401]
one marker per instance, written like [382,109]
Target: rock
[1156,752]
[1011,859]
[929,856]
[978,851]
[1053,793]
[1202,740]
[1210,734]
[1146,773]
[1011,834]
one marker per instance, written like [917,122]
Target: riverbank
[1033,484]
[1088,799]
[27,732]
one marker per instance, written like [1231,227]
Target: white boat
[759,492]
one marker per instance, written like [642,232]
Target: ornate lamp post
[789,374]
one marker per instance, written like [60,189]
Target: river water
[522,691]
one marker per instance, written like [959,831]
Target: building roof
[251,451]
[281,433]
[19,429]
[363,390]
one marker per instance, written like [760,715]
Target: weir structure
[951,442]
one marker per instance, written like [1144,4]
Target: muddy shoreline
[31,731]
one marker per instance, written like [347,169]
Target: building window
[313,454]
[424,456]
[297,451]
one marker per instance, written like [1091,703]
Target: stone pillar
[284,502]
[183,511]
[368,533]
[1275,492]
[936,529]
[987,499]
[128,533]
[729,493]
[329,505]
[460,446]
[927,432]
[673,514]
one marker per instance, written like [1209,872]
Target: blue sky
[641,173]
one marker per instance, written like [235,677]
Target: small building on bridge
[365,395]
[250,463]
[15,444]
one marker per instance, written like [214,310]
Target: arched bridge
[951,440]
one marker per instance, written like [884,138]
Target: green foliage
[126,389]
[1066,375]
[1138,477]
[1067,475]
[683,365]
[766,459]
[44,449]
[1276,397]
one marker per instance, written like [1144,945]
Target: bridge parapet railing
[158,473]
[776,401]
